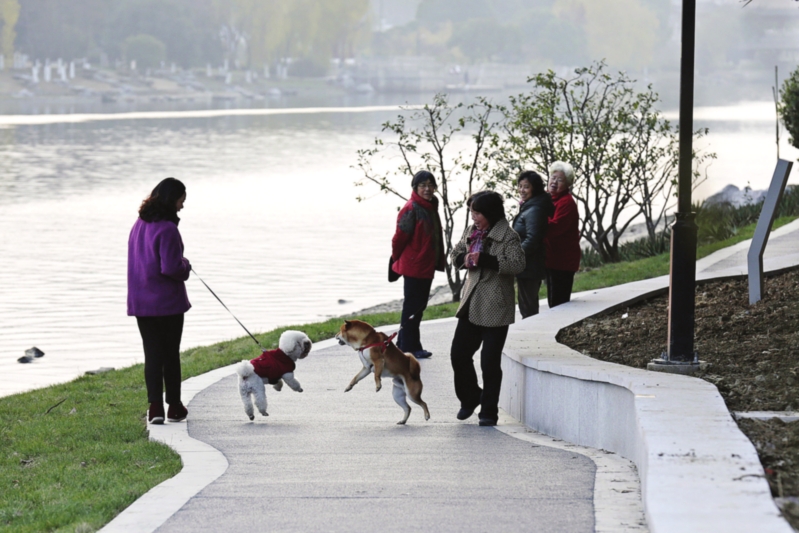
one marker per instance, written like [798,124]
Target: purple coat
[157,270]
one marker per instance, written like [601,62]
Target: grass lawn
[73,456]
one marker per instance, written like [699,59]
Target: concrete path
[325,460]
[329,461]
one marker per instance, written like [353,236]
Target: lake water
[270,222]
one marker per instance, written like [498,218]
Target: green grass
[77,466]
[617,273]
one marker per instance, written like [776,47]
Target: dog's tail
[245,369]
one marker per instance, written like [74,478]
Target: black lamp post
[682,283]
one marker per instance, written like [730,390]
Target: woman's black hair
[489,204]
[423,176]
[162,202]
[534,179]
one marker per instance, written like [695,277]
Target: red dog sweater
[272,364]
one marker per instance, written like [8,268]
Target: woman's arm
[565,219]
[406,224]
[170,250]
[535,224]
[510,255]
[458,252]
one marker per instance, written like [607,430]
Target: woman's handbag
[392,276]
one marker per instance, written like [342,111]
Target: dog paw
[377,389]
[299,390]
[252,417]
[401,423]
[348,389]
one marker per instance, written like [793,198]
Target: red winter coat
[418,245]
[563,235]
[272,364]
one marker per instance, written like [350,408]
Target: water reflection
[271,223]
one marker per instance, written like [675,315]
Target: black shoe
[155,414]
[422,354]
[176,413]
[465,413]
[487,422]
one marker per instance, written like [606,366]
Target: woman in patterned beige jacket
[492,253]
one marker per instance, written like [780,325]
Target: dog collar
[385,343]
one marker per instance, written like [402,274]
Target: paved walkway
[329,461]
[325,460]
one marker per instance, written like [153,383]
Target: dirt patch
[752,354]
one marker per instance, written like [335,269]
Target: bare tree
[422,137]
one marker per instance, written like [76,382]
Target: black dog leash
[228,310]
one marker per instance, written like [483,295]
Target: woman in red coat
[563,236]
[417,251]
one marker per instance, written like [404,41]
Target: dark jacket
[157,270]
[531,225]
[563,235]
[418,244]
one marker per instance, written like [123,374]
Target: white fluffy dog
[273,367]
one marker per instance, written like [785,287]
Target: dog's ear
[347,324]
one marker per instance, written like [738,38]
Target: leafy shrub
[716,222]
[789,106]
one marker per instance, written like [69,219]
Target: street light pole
[682,275]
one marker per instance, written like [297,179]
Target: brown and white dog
[380,355]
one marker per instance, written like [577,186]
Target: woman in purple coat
[157,296]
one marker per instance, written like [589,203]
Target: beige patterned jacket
[488,293]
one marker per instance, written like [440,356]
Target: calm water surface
[270,222]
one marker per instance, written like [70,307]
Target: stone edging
[698,471]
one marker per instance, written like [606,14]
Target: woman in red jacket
[563,236]
[417,251]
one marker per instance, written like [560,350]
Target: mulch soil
[752,355]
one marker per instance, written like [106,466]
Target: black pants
[161,338]
[465,344]
[528,295]
[559,287]
[417,292]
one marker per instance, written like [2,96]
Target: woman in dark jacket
[157,297]
[491,252]
[531,225]
[417,251]
[563,236]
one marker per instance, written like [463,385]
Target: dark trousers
[465,344]
[559,287]
[417,292]
[161,338]
[528,295]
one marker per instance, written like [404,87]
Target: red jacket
[272,364]
[563,235]
[418,245]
